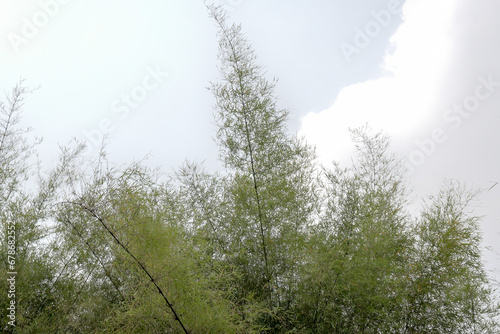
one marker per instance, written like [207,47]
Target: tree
[128,226]
[274,244]
[376,269]
[20,214]
[360,247]
[449,290]
[270,184]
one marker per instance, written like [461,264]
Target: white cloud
[402,100]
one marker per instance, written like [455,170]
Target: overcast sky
[425,72]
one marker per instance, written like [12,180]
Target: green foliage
[360,247]
[448,287]
[275,244]
[270,183]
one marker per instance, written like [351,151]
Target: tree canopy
[275,243]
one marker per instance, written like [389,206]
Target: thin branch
[160,291]
[106,271]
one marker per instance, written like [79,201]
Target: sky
[425,72]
